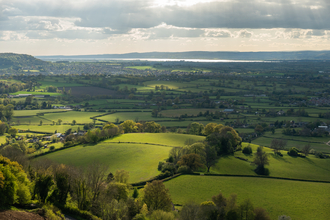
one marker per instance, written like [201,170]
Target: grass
[299,200]
[36,93]
[48,128]
[18,113]
[123,116]
[170,139]
[309,168]
[140,160]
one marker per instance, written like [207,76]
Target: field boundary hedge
[290,139]
[142,183]
[132,142]
[258,176]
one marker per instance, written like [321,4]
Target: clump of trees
[221,207]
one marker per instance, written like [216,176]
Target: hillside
[282,55]
[16,61]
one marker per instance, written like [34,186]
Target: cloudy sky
[68,27]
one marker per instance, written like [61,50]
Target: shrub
[160,165]
[168,167]
[52,148]
[184,169]
[279,154]
[247,150]
[164,175]
[319,155]
[293,152]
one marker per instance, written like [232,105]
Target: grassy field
[299,200]
[170,139]
[19,113]
[309,168]
[123,116]
[140,160]
[48,128]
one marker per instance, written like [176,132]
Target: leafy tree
[260,159]
[261,214]
[9,111]
[12,132]
[121,176]
[129,126]
[43,184]
[246,210]
[196,128]
[156,196]
[161,215]
[193,161]
[74,122]
[209,128]
[59,121]
[135,193]
[40,123]
[210,156]
[14,184]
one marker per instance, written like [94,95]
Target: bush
[247,150]
[320,155]
[160,165]
[279,154]
[52,148]
[184,169]
[293,152]
[164,175]
[168,167]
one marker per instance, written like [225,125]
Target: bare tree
[278,144]
[305,150]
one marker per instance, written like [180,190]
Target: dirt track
[16,215]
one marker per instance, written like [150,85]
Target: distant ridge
[294,55]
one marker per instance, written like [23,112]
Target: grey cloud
[229,14]
[245,34]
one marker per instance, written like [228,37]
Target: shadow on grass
[279,158]
[89,144]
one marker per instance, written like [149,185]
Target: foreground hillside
[140,160]
[299,200]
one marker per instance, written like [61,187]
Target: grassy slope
[139,159]
[49,128]
[170,139]
[299,200]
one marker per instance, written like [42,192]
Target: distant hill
[296,55]
[16,61]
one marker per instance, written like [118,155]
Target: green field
[123,116]
[18,113]
[49,128]
[170,139]
[309,168]
[299,200]
[140,160]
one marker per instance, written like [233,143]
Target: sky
[77,27]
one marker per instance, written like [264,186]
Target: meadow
[299,200]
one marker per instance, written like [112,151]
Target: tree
[59,121]
[193,161]
[121,176]
[156,196]
[259,129]
[261,214]
[260,159]
[40,123]
[196,128]
[210,156]
[246,210]
[12,131]
[9,111]
[74,122]
[305,150]
[209,128]
[278,144]
[129,126]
